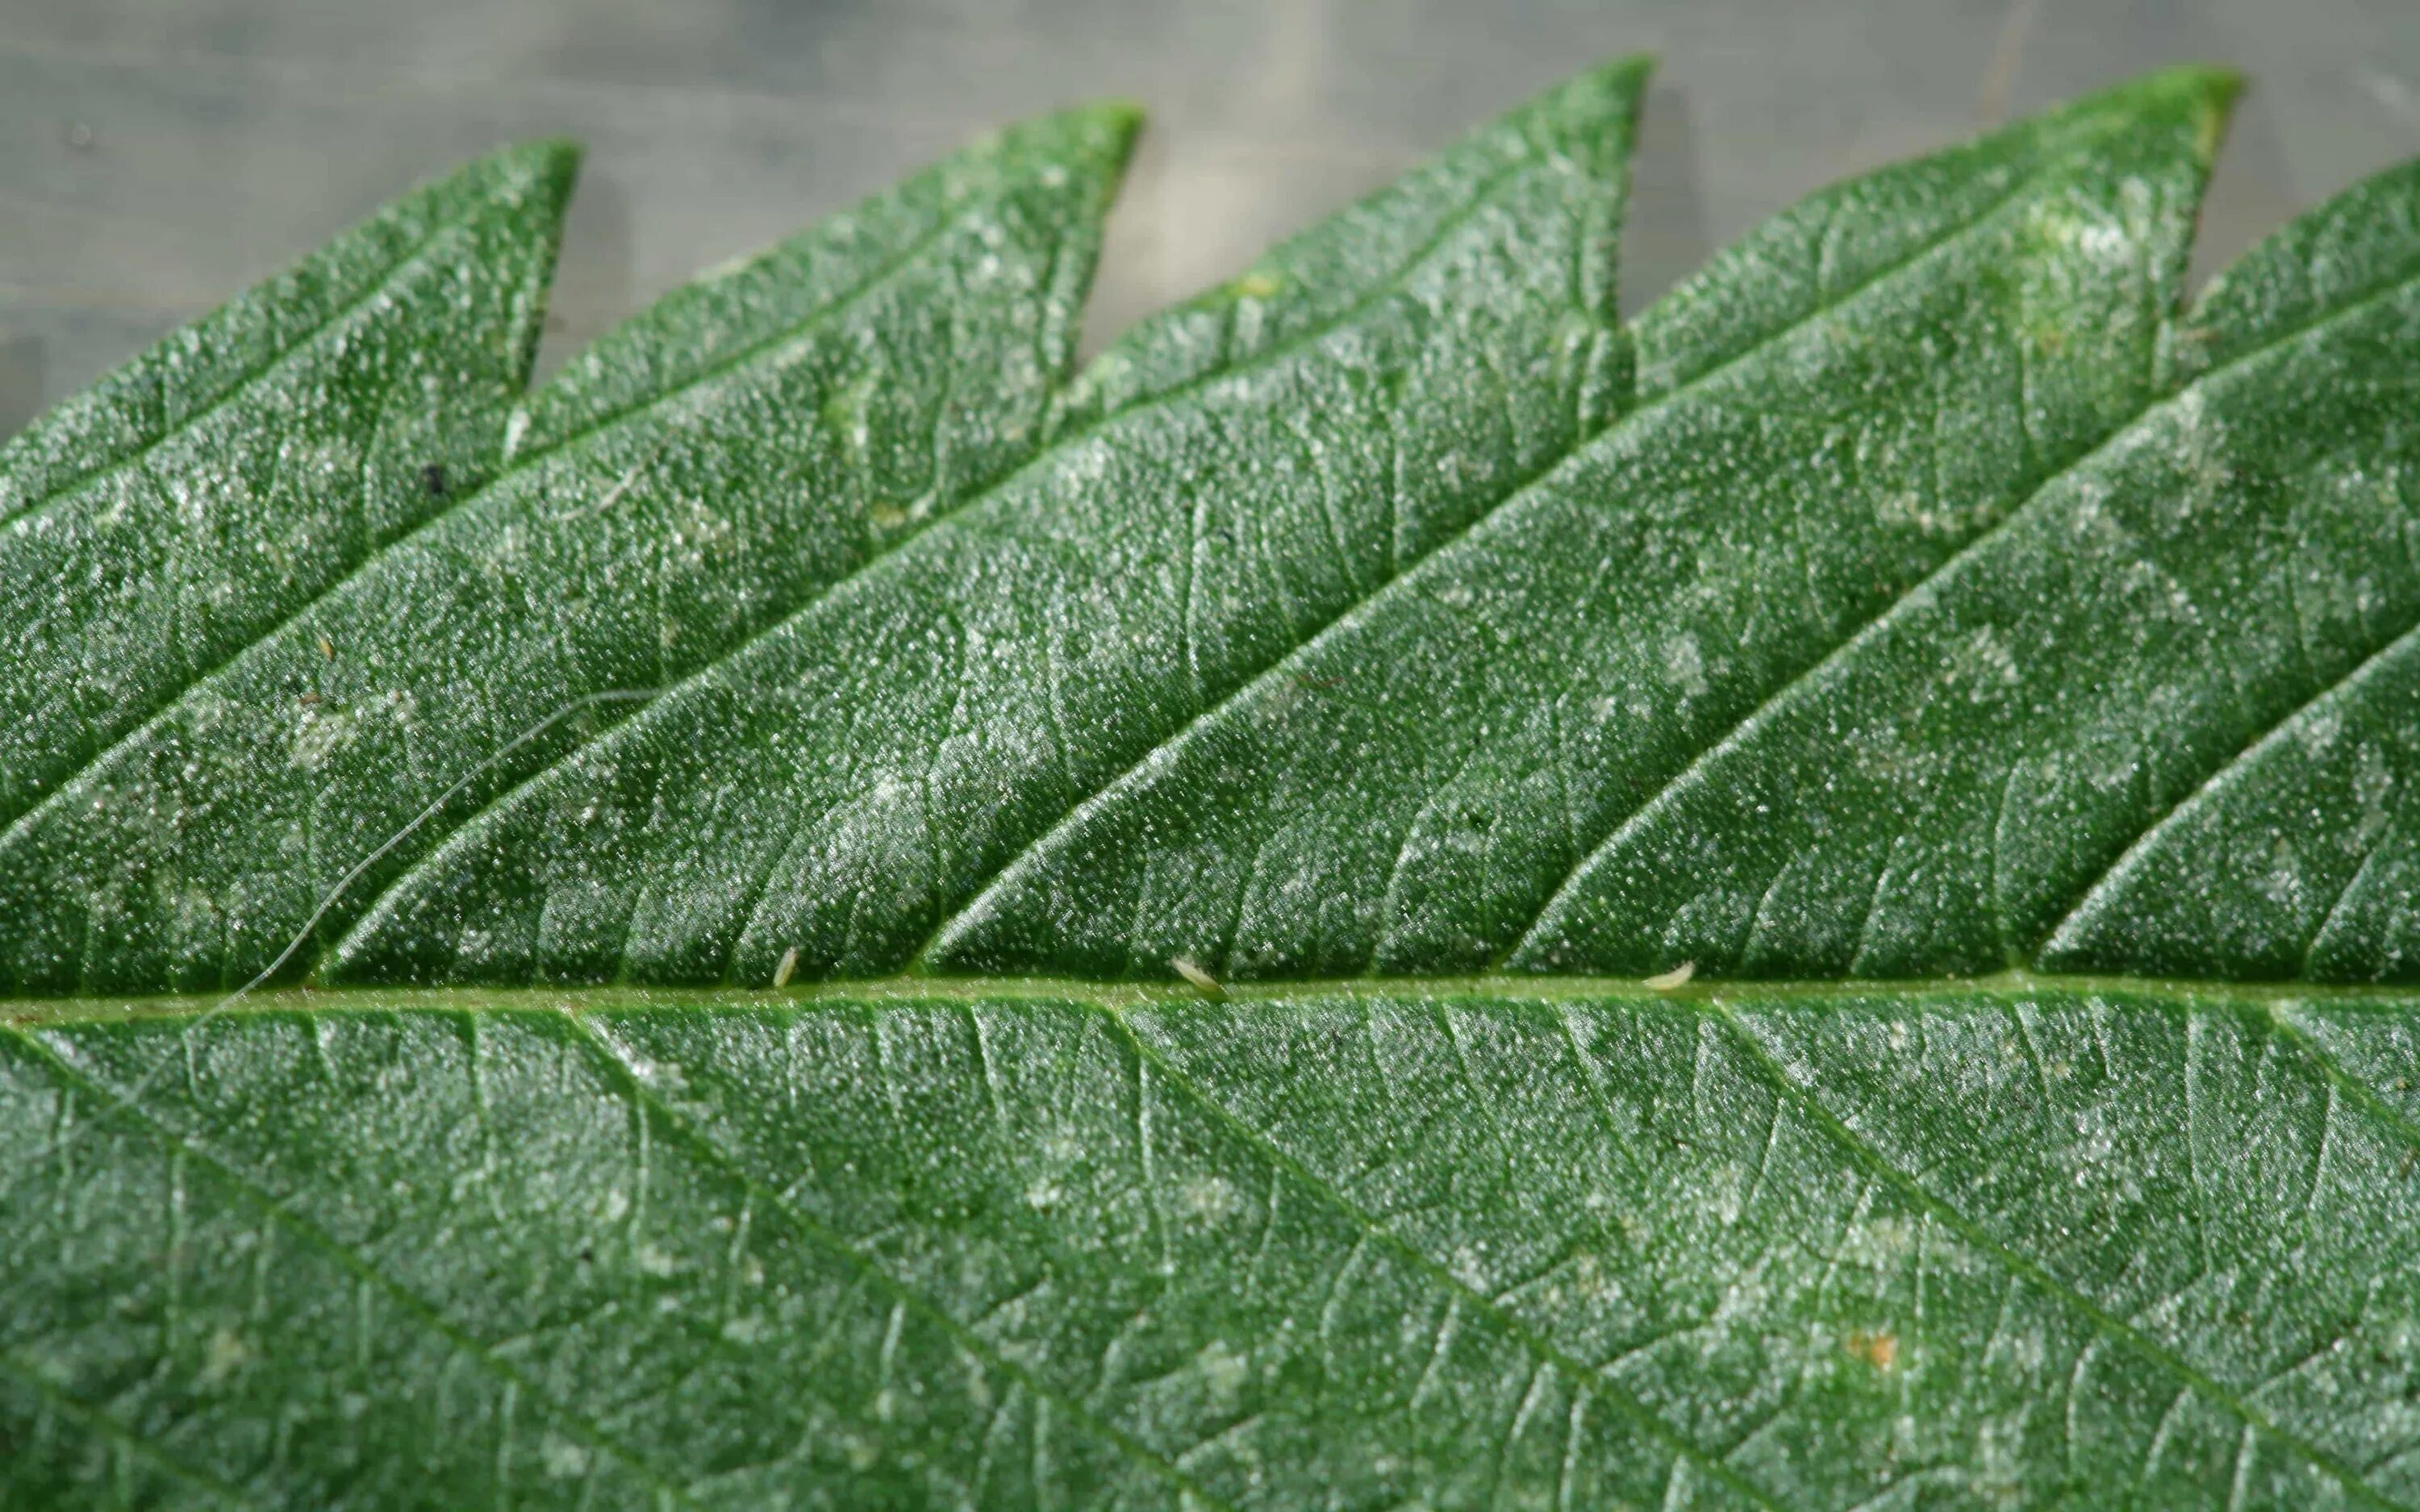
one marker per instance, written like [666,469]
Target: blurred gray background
[156,156]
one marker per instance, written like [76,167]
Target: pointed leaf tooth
[1484,721]
[744,447]
[1254,465]
[154,526]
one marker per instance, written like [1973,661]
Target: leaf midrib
[1517,988]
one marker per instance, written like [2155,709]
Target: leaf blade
[1505,1198]
[420,668]
[2154,608]
[843,848]
[273,419]
[1452,854]
[1923,589]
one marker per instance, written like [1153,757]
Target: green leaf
[1993,673]
[654,505]
[1574,1246]
[154,527]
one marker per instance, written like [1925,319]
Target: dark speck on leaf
[432,478]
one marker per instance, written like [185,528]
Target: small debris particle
[78,136]
[790,963]
[225,1355]
[309,699]
[1212,1198]
[1881,1349]
[1204,983]
[1678,977]
[432,479]
[748,1330]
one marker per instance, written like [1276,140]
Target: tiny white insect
[1678,977]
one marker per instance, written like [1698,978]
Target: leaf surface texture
[721,828]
